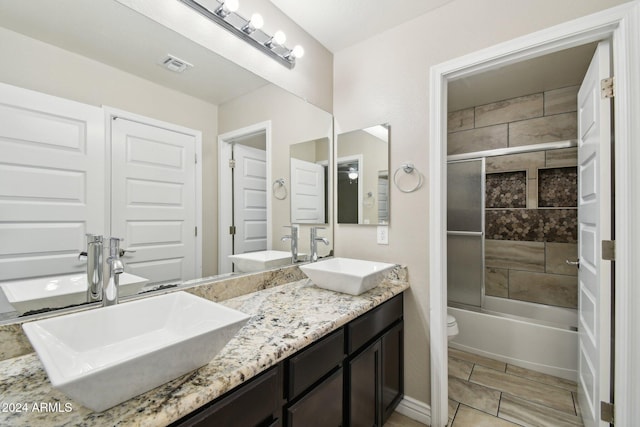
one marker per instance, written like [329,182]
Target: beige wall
[385,80]
[293,120]
[45,68]
[312,77]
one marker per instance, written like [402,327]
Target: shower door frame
[621,24]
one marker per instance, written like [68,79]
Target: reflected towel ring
[280,185]
[409,169]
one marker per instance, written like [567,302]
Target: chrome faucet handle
[126,251]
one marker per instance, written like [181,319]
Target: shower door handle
[576,263]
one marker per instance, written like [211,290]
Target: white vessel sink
[259,261]
[346,275]
[105,356]
[59,291]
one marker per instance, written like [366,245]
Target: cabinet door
[255,404]
[321,407]
[364,388]
[392,369]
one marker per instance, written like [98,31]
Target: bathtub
[547,344]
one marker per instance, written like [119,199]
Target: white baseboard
[415,410]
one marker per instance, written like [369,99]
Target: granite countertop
[285,319]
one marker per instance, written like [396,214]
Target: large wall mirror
[57,51]
[362,168]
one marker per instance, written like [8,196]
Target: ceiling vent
[174,64]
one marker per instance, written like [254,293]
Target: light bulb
[227,7]
[256,21]
[279,37]
[231,5]
[297,51]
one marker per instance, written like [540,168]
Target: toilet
[452,327]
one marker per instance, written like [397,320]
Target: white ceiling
[553,71]
[337,24]
[111,33]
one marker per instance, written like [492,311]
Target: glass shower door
[465,232]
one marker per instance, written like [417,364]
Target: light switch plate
[383,234]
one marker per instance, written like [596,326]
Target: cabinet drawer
[369,325]
[253,404]
[321,407]
[311,364]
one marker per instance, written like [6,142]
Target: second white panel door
[153,200]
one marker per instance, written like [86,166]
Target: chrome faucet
[293,238]
[313,257]
[93,256]
[113,268]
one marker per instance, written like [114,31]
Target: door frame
[622,25]
[110,114]
[225,193]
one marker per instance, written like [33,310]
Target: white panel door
[594,225]
[307,192]
[383,197]
[249,199]
[153,200]
[51,182]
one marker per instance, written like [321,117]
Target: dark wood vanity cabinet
[351,377]
[375,371]
[256,403]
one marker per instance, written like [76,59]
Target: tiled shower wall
[531,198]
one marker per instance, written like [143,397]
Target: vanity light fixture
[353,174]
[223,13]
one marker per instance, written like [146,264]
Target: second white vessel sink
[261,260]
[105,356]
[59,291]
[346,275]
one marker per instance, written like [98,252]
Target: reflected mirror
[57,52]
[363,176]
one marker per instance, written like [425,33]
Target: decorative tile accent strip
[535,225]
[558,187]
[506,190]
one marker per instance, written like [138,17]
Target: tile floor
[487,393]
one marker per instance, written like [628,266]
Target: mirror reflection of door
[250,194]
[383,197]
[349,190]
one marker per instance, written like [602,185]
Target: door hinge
[606,412]
[196,158]
[609,250]
[196,232]
[232,230]
[607,88]
[232,163]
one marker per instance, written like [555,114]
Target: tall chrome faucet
[113,268]
[313,257]
[103,274]
[93,256]
[293,238]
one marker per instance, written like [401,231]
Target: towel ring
[280,184]
[409,169]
